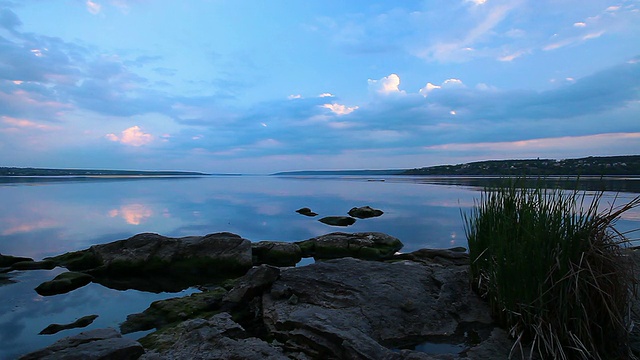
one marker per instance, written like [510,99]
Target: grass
[553,269]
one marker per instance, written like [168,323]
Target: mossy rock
[64,283]
[34,265]
[77,260]
[164,312]
[8,260]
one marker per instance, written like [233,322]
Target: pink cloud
[133,136]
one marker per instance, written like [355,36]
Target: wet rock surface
[276,253]
[306,212]
[64,283]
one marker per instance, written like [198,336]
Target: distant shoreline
[42,172]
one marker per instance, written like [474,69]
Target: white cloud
[294,96]
[512,56]
[340,109]
[323,95]
[580,24]
[93,7]
[386,85]
[428,88]
[477,2]
[133,136]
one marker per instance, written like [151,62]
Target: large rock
[349,308]
[102,344]
[276,253]
[153,262]
[368,246]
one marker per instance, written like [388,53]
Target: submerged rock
[80,323]
[33,265]
[338,220]
[368,245]
[64,283]
[365,212]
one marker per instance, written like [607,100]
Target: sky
[254,86]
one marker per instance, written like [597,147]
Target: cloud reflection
[133,214]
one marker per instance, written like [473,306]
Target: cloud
[387,85]
[133,136]
[294,96]
[326,95]
[93,7]
[340,109]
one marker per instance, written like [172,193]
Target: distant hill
[598,166]
[15,171]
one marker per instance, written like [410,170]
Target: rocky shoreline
[361,299]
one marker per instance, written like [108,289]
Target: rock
[63,283]
[8,260]
[338,220]
[33,265]
[349,308]
[453,256]
[252,284]
[80,323]
[218,337]
[164,312]
[369,246]
[306,212]
[365,212]
[103,344]
[172,264]
[276,253]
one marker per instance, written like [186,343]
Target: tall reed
[553,270]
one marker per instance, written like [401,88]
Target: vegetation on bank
[553,270]
[598,166]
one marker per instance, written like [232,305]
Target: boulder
[365,212]
[152,262]
[252,284]
[338,220]
[276,253]
[80,323]
[306,212]
[63,283]
[349,308]
[368,246]
[452,256]
[103,344]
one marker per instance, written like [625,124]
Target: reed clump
[553,269]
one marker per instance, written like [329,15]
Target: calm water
[46,218]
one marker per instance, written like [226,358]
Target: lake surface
[47,217]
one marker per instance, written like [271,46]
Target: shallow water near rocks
[44,218]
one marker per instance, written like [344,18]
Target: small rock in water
[338,220]
[365,212]
[306,212]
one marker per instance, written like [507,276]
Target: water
[41,218]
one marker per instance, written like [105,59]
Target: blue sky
[264,86]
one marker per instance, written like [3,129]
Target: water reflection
[133,214]
[57,216]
